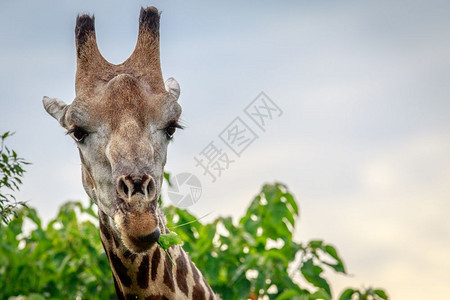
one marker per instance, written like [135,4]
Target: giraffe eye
[170,131]
[78,134]
[171,128]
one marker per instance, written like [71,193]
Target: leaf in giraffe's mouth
[169,239]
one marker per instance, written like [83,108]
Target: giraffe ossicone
[122,119]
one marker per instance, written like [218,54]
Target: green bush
[62,261]
[250,258]
[245,259]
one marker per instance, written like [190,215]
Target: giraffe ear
[173,87]
[56,108]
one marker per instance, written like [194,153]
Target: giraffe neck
[151,275]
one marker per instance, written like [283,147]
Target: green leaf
[35,297]
[347,294]
[339,267]
[32,215]
[320,294]
[316,244]
[380,293]
[336,267]
[168,240]
[312,273]
[288,294]
[6,134]
[290,199]
[167,178]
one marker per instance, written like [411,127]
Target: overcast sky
[363,141]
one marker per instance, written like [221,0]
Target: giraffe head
[122,119]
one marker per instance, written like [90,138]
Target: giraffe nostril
[125,188]
[128,186]
[151,190]
[122,187]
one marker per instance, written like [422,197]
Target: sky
[363,140]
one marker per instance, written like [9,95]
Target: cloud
[363,141]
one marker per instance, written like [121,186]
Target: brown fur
[127,97]
[143,64]
[181,274]
[121,112]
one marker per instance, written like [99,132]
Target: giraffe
[122,119]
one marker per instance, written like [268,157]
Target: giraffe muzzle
[135,214]
[139,231]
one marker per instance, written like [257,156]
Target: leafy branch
[11,171]
[367,294]
[247,259]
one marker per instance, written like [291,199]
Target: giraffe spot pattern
[105,231]
[116,241]
[143,272]
[119,294]
[120,269]
[168,277]
[197,293]
[181,274]
[155,262]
